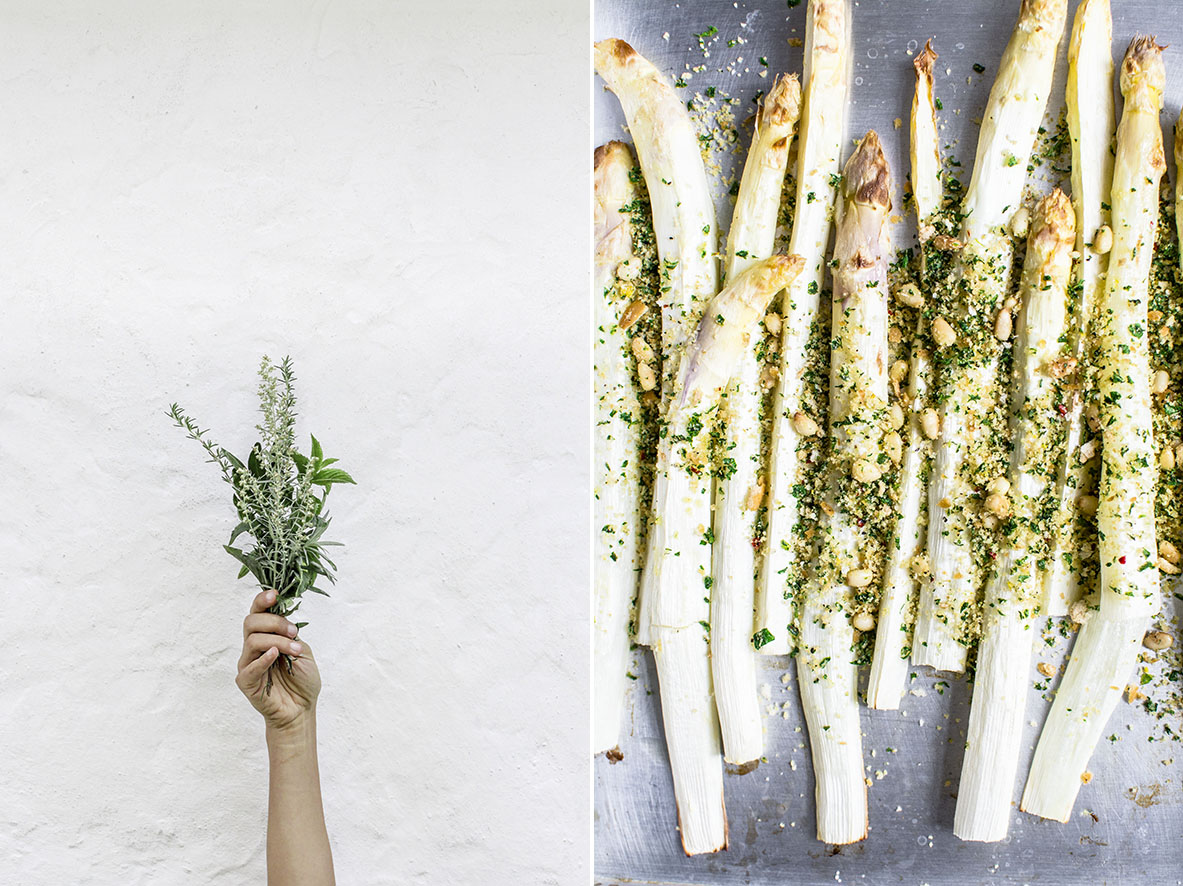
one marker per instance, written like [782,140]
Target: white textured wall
[378,189]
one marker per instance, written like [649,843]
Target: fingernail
[297,648]
[292,630]
[269,596]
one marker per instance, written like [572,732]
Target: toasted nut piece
[1103,240]
[893,446]
[768,377]
[897,373]
[1168,551]
[1166,459]
[1002,325]
[804,425]
[1087,452]
[930,423]
[629,269]
[942,333]
[1093,416]
[754,498]
[1046,669]
[998,486]
[945,243]
[635,311]
[646,376]
[858,578]
[1087,505]
[1062,368]
[998,505]
[990,521]
[1154,316]
[1162,380]
[829,512]
[1158,640]
[1020,222]
[1079,612]
[1011,303]
[865,471]
[1165,565]
[919,566]
[772,322]
[641,350]
[863,622]
[910,295]
[896,416]
[894,336]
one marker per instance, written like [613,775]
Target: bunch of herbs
[279,495]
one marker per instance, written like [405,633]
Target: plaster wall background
[380,190]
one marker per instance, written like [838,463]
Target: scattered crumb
[1046,669]
[1086,777]
[897,122]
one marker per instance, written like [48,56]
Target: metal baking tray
[1127,826]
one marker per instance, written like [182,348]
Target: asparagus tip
[1143,62]
[782,105]
[923,62]
[866,176]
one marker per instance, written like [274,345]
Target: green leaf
[325,462]
[250,561]
[324,477]
[233,459]
[301,461]
[317,590]
[239,530]
[255,461]
[317,452]
[243,571]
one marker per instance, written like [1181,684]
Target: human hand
[291,698]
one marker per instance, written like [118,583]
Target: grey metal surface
[1127,826]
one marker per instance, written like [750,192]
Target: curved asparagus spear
[889,665]
[1014,592]
[969,336]
[739,493]
[676,562]
[819,156]
[1090,124]
[856,500]
[1106,647]
[617,445]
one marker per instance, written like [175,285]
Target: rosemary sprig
[279,495]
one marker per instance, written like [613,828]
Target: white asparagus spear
[684,226]
[676,562]
[889,664]
[691,724]
[969,339]
[1014,591]
[855,501]
[819,157]
[1106,647]
[739,493]
[1090,123]
[617,444]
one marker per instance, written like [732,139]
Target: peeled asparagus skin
[1014,592]
[968,386]
[889,665]
[617,482]
[1106,648]
[819,155]
[826,672]
[738,495]
[677,561]
[1090,116]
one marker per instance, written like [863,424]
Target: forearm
[298,852]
